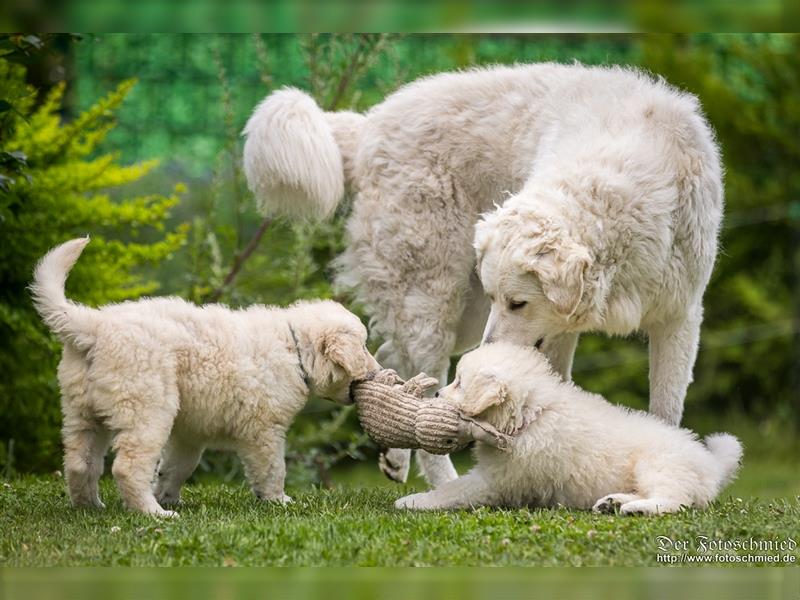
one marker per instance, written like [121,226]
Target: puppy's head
[491,383]
[333,345]
[534,273]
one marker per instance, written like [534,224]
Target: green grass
[225,525]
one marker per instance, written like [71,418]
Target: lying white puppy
[573,448]
[164,374]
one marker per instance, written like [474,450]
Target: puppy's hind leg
[662,486]
[613,502]
[179,461]
[651,506]
[85,446]
[138,443]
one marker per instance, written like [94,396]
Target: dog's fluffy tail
[71,322]
[728,452]
[298,159]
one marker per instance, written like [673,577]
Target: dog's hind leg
[178,462]
[85,445]
[140,435]
[436,469]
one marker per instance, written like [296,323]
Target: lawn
[225,525]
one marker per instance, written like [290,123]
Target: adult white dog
[613,224]
[572,448]
[163,374]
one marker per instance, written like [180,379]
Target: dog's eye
[512,305]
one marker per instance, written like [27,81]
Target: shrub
[53,191]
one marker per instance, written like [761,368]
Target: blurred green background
[178,226]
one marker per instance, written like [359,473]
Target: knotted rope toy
[395,414]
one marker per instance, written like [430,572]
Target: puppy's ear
[346,351]
[561,267]
[483,391]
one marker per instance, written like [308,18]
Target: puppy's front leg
[265,465]
[469,491]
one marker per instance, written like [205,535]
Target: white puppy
[572,448]
[163,374]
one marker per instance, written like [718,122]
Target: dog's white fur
[573,448]
[607,151]
[163,374]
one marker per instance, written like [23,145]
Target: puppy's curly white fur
[573,448]
[162,374]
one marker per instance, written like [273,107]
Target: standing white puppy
[162,374]
[572,448]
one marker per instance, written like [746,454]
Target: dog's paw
[612,503]
[164,514]
[395,463]
[282,498]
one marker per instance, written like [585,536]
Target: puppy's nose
[436,395]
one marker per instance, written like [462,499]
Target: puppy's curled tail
[298,159]
[71,322]
[728,452]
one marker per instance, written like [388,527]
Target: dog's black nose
[436,395]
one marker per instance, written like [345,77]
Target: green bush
[53,192]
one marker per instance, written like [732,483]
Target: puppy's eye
[514,305]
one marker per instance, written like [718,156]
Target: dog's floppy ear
[561,267]
[344,349]
[483,391]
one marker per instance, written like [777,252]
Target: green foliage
[56,192]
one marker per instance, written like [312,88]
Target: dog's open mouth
[538,344]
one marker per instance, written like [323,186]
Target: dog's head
[333,345]
[493,383]
[534,273]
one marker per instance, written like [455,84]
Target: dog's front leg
[560,350]
[469,491]
[673,350]
[265,465]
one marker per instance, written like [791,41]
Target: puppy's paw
[612,503]
[395,463]
[164,514]
[413,502]
[650,506]
[168,499]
